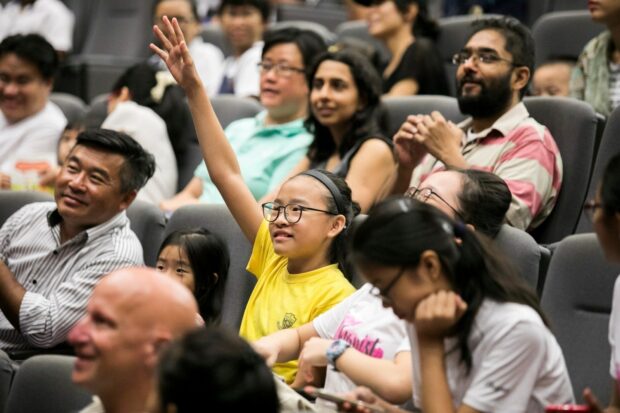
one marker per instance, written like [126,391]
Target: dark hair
[139,165]
[349,208]
[208,255]
[192,4]
[363,123]
[140,79]
[484,200]
[213,369]
[424,25]
[610,186]
[308,42]
[398,230]
[263,6]
[519,40]
[32,48]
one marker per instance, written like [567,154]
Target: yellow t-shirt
[282,300]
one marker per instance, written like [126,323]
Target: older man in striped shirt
[494,69]
[53,254]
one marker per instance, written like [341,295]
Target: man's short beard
[492,100]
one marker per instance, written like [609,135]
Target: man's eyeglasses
[382,293]
[485,58]
[590,207]
[422,194]
[281,69]
[292,212]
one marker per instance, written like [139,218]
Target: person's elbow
[396,389]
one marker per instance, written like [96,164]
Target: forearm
[387,378]
[436,395]
[11,295]
[288,342]
[402,181]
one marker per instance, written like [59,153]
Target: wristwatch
[335,350]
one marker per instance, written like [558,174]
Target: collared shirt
[590,78]
[58,277]
[32,139]
[523,153]
[266,154]
[49,18]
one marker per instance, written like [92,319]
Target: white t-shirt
[362,321]
[32,139]
[209,61]
[517,364]
[243,71]
[49,18]
[614,332]
[149,130]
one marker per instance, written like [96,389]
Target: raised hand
[441,138]
[175,54]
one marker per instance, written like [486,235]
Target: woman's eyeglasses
[423,194]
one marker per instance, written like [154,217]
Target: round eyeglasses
[292,212]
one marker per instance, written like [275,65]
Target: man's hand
[409,151]
[5,181]
[441,138]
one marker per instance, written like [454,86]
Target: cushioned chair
[523,251]
[218,220]
[229,108]
[43,384]
[148,222]
[577,299]
[11,201]
[573,125]
[327,36]
[559,5]
[609,146]
[72,107]
[358,29]
[212,33]
[552,30]
[329,15]
[396,109]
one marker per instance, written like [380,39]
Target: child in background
[200,260]
[47,177]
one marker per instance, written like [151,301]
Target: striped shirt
[58,278]
[523,153]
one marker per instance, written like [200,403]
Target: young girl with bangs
[298,238]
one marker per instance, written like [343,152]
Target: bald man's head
[131,314]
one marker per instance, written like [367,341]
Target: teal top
[266,154]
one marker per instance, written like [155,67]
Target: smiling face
[88,188]
[173,261]
[486,89]
[385,20]
[310,238]
[242,25]
[334,97]
[23,90]
[285,96]
[605,11]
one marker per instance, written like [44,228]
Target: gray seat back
[43,384]
[322,31]
[573,125]
[523,252]
[329,15]
[358,29]
[217,219]
[577,299]
[229,108]
[11,201]
[396,109]
[608,148]
[149,223]
[72,107]
[552,30]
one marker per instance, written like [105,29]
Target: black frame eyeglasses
[281,69]
[590,207]
[422,194]
[382,293]
[292,212]
[484,57]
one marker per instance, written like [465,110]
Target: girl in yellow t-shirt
[298,238]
